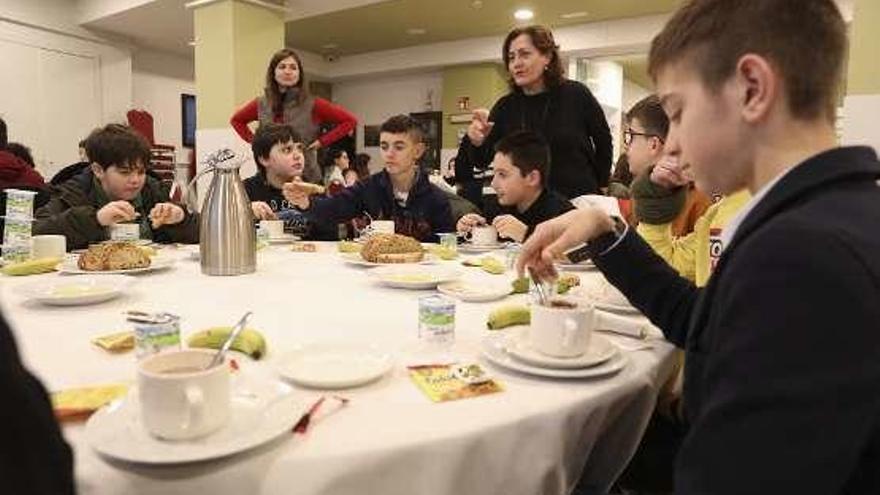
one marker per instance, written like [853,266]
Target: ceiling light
[191,42]
[574,15]
[523,14]
[416,31]
[330,46]
[477,4]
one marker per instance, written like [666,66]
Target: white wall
[56,87]
[859,121]
[374,100]
[158,80]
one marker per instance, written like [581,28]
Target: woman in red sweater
[287,101]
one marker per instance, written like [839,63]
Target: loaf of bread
[392,248]
[113,256]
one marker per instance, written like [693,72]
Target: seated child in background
[694,255]
[115,189]
[521,163]
[400,192]
[644,138]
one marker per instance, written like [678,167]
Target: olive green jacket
[73,209]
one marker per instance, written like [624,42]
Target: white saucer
[75,291]
[158,262]
[617,308]
[357,259]
[334,365]
[600,350]
[475,292]
[414,276]
[467,247]
[494,349]
[116,430]
[282,239]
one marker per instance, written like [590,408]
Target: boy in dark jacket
[400,193]
[115,189]
[781,375]
[521,163]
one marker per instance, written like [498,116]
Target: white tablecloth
[536,437]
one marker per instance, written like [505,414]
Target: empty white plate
[414,276]
[334,365]
[475,291]
[75,291]
[494,349]
[600,350]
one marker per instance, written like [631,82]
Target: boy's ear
[533,178]
[262,161]
[420,150]
[97,170]
[757,87]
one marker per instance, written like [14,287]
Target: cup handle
[195,402]
[568,332]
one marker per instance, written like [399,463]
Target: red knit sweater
[322,112]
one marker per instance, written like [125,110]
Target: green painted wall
[234,43]
[483,83]
[863,77]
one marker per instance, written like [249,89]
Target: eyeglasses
[629,134]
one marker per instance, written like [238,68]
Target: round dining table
[538,436]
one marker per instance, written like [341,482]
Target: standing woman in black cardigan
[541,99]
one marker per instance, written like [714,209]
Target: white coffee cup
[48,246]
[125,232]
[562,331]
[179,398]
[382,226]
[483,235]
[273,228]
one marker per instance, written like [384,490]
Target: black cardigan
[573,123]
[782,368]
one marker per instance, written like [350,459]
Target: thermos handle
[191,188]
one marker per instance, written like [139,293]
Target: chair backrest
[142,121]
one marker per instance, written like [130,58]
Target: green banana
[349,247]
[249,341]
[506,316]
[520,285]
[566,281]
[493,266]
[31,267]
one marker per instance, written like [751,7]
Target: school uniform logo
[716,246]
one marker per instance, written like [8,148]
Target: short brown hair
[804,39]
[118,145]
[527,151]
[404,124]
[543,40]
[267,136]
[651,115]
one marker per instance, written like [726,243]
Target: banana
[31,267]
[148,250]
[520,285]
[249,341]
[493,266]
[443,252]
[348,247]
[566,281]
[506,316]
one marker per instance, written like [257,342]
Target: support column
[234,40]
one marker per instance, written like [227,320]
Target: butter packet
[115,342]
[443,383]
[80,403]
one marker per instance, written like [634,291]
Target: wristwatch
[599,245]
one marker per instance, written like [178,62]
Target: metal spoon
[542,296]
[218,358]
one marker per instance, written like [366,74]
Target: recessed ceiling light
[191,42]
[574,15]
[477,4]
[330,46]
[523,14]
[416,31]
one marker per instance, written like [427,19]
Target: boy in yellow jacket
[693,255]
